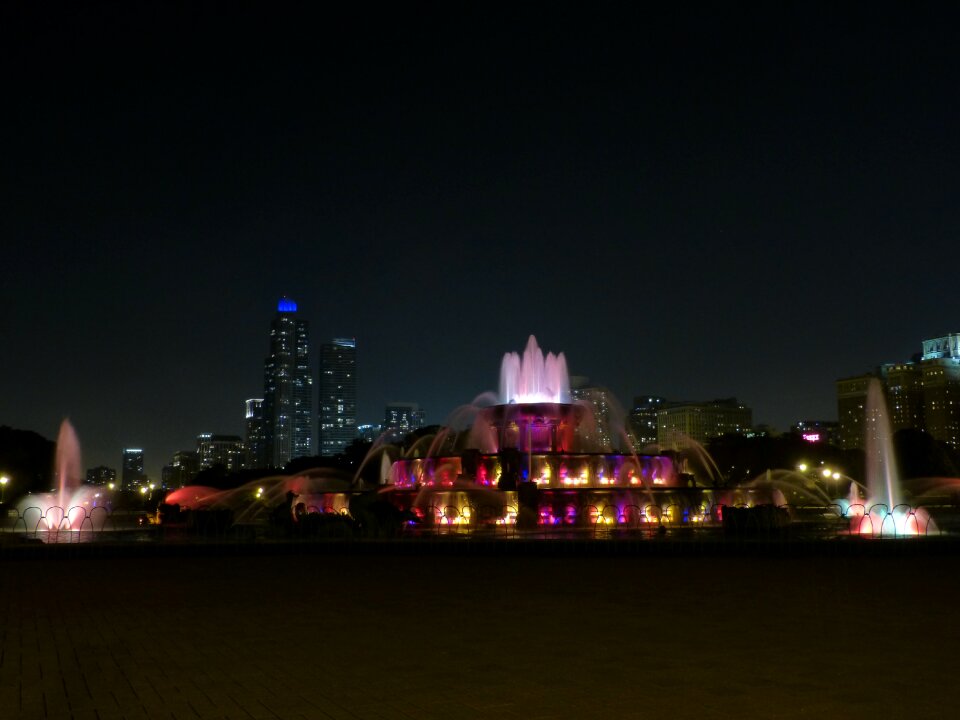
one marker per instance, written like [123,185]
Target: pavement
[400,635]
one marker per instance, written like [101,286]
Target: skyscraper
[643,420]
[287,388]
[256,446]
[400,419]
[940,365]
[338,395]
[132,474]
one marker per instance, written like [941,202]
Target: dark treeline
[27,459]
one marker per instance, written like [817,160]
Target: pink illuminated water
[885,512]
[68,506]
[67,464]
[534,378]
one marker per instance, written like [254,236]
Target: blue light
[286,305]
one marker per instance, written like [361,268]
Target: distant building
[181,470]
[369,432]
[225,450]
[101,475]
[941,399]
[256,435]
[851,409]
[923,393]
[338,395]
[132,475]
[817,431]
[401,419]
[701,421]
[904,387]
[595,431]
[643,420]
[287,388]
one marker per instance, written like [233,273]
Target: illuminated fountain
[884,511]
[524,462]
[877,508]
[316,491]
[70,505]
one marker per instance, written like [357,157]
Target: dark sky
[712,200]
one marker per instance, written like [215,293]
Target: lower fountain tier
[557,470]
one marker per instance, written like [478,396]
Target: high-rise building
[132,475]
[595,431]
[941,399]
[101,475]
[288,388]
[923,393]
[643,420]
[851,409]
[401,419]
[256,435]
[679,422]
[904,386]
[181,470]
[225,450]
[338,395]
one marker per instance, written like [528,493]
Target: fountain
[319,491]
[525,451]
[70,505]
[884,513]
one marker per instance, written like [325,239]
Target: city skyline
[696,203]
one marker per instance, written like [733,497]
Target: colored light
[286,305]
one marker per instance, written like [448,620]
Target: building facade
[225,450]
[595,432]
[132,475]
[255,441]
[338,395]
[401,419]
[922,394]
[287,389]
[643,420]
[817,431]
[181,470]
[851,410]
[677,423]
[941,399]
[101,475]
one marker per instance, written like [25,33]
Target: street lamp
[3,487]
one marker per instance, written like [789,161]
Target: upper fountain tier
[534,378]
[535,411]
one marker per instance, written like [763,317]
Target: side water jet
[885,513]
[67,464]
[883,479]
[69,505]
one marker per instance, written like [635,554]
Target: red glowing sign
[811,437]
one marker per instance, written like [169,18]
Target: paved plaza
[384,636]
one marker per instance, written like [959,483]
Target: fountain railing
[877,520]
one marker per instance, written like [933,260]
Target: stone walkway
[433,636]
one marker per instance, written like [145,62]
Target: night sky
[708,201]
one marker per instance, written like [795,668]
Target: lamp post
[3,488]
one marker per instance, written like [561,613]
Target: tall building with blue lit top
[287,388]
[338,395]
